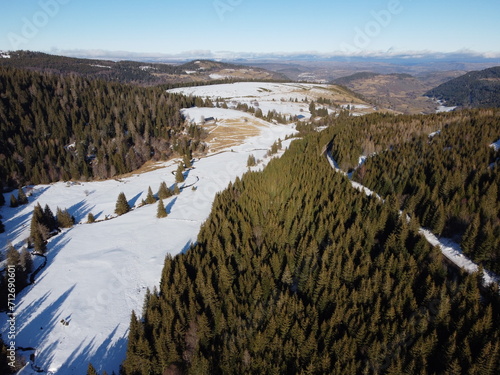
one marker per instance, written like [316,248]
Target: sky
[197,27]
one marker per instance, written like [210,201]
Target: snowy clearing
[98,273]
[291,99]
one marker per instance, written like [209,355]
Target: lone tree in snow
[90,218]
[251,161]
[161,210]
[150,199]
[179,176]
[122,206]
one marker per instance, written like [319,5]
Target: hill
[399,92]
[296,272]
[144,74]
[58,127]
[472,90]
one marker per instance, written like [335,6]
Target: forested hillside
[474,89]
[450,180]
[295,272]
[55,127]
[134,72]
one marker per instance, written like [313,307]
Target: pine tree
[13,201]
[150,199]
[187,161]
[164,192]
[38,242]
[13,256]
[90,218]
[179,176]
[161,210]
[64,219]
[21,197]
[177,190]
[49,219]
[251,161]
[122,206]
[91,370]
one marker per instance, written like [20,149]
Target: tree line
[295,272]
[56,127]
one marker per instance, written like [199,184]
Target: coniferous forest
[56,127]
[296,272]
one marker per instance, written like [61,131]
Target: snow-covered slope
[290,99]
[98,273]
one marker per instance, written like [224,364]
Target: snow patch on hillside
[98,273]
[496,145]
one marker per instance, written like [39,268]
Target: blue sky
[173,27]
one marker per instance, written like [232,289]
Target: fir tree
[90,218]
[179,175]
[164,192]
[251,161]
[177,190]
[49,219]
[122,206]
[39,243]
[187,161]
[91,370]
[161,212]
[150,199]
[13,201]
[21,197]
[64,219]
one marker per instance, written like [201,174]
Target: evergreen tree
[90,218]
[164,192]
[13,201]
[21,197]
[187,161]
[38,242]
[150,199]
[91,370]
[179,175]
[177,190]
[64,219]
[49,219]
[13,256]
[251,161]
[122,206]
[161,212]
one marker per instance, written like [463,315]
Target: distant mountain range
[474,89]
[144,74]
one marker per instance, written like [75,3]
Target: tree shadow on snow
[170,205]
[32,333]
[106,356]
[133,201]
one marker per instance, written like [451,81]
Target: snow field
[98,273]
